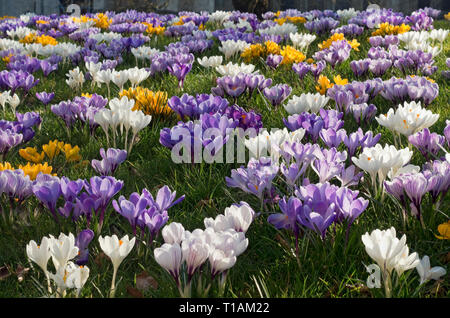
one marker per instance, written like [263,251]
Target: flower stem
[113,284]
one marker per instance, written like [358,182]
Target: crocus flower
[277,94]
[40,254]
[426,272]
[112,158]
[173,233]
[62,249]
[116,250]
[169,256]
[82,242]
[427,143]
[179,70]
[389,252]
[48,190]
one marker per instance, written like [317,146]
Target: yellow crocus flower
[444,230]
[33,170]
[340,81]
[72,153]
[31,154]
[324,84]
[6,166]
[291,55]
[53,148]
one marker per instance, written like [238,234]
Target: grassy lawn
[330,268]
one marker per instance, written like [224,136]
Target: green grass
[323,269]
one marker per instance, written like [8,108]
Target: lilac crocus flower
[277,94]
[273,60]
[29,119]
[82,242]
[256,81]
[48,190]
[360,67]
[416,186]
[179,70]
[112,158]
[348,205]
[15,185]
[320,200]
[378,67]
[427,143]
[165,199]
[301,69]
[333,138]
[363,112]
[131,209]
[288,219]
[8,140]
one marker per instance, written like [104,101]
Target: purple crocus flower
[29,119]
[231,85]
[277,94]
[329,163]
[165,199]
[416,186]
[273,60]
[317,68]
[363,112]
[8,140]
[82,242]
[102,190]
[427,143]
[179,70]
[288,219]
[378,67]
[256,178]
[131,209]
[48,67]
[112,158]
[318,211]
[247,119]
[447,131]
[48,190]
[192,107]
[15,185]
[360,67]
[153,220]
[333,138]
[354,140]
[348,205]
[256,81]
[301,69]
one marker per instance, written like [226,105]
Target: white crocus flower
[75,78]
[119,78]
[380,161]
[116,250]
[232,69]
[408,118]
[173,233]
[389,253]
[306,103]
[269,143]
[137,75]
[427,272]
[40,254]
[212,61]
[77,276]
[4,98]
[235,217]
[231,48]
[195,252]
[169,256]
[14,101]
[62,249]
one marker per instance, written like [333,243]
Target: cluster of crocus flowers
[391,253]
[151,29]
[51,150]
[62,250]
[121,119]
[338,37]
[222,241]
[323,84]
[30,170]
[389,29]
[111,159]
[41,39]
[260,50]
[149,102]
[102,21]
[291,55]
